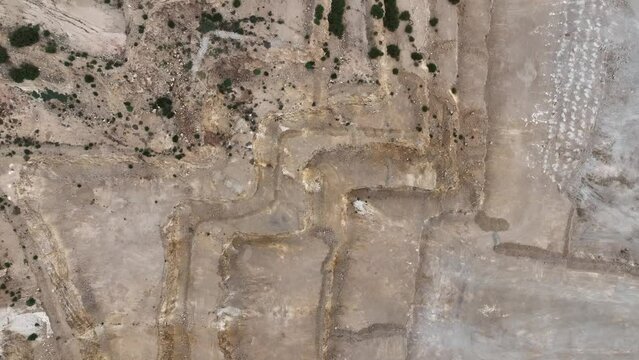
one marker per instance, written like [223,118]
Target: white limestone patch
[25,324]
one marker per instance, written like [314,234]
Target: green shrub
[319,14]
[30,301]
[225,86]
[165,106]
[433,21]
[404,16]
[408,28]
[89,78]
[391,18]
[336,18]
[4,55]
[32,337]
[393,51]
[431,67]
[25,35]
[454,2]
[377,11]
[51,47]
[171,23]
[310,65]
[374,53]
[237,3]
[26,71]
[416,56]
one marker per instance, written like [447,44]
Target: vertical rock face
[428,180]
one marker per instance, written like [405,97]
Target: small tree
[374,53]
[51,47]
[319,14]
[377,11]
[393,51]
[26,71]
[25,35]
[165,106]
[416,56]
[4,55]
[335,18]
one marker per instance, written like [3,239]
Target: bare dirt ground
[277,179]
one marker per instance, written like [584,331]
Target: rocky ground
[275,179]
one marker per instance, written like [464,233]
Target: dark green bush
[310,65]
[89,78]
[225,86]
[336,18]
[26,71]
[51,47]
[4,55]
[377,11]
[393,51]
[433,21]
[404,16]
[431,67]
[454,2]
[319,14]
[416,56]
[374,53]
[165,106]
[408,28]
[237,3]
[25,35]
[171,24]
[391,17]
